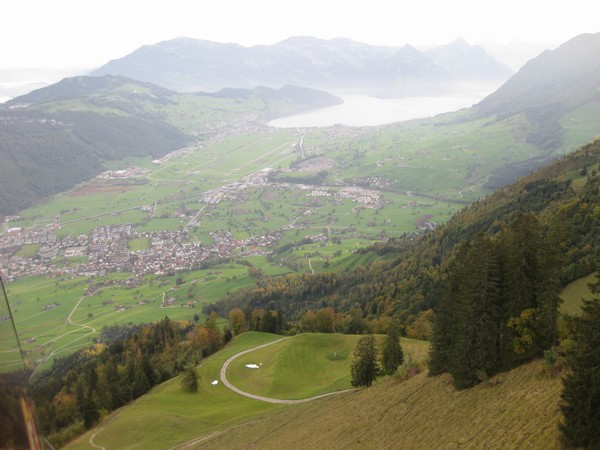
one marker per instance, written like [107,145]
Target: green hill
[549,87]
[167,416]
[515,410]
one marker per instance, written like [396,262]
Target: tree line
[499,306]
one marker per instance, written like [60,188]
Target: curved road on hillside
[260,397]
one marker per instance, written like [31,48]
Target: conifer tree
[474,356]
[364,369]
[520,245]
[446,327]
[140,384]
[549,289]
[189,379]
[392,354]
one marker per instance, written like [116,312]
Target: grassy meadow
[168,416]
[76,319]
[575,292]
[304,366]
[517,409]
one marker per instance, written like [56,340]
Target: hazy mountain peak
[459,42]
[468,62]
[409,49]
[188,65]
[564,78]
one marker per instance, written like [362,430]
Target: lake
[363,110]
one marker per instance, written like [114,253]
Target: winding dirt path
[260,397]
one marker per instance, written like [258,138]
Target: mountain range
[61,135]
[189,65]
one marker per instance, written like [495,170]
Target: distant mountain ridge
[61,135]
[188,65]
[548,87]
[75,87]
[560,79]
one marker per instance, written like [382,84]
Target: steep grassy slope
[575,291]
[518,410]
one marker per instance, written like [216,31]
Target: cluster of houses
[106,251]
[130,172]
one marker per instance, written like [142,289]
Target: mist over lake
[363,110]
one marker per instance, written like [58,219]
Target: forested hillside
[72,395]
[43,153]
[549,210]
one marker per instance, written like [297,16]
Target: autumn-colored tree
[309,321]
[325,320]
[237,321]
[65,407]
[422,327]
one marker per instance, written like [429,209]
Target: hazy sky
[71,33]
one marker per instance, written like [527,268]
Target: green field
[304,366]
[575,292]
[168,416]
[46,332]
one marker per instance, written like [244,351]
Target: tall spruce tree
[474,355]
[520,242]
[447,325]
[519,245]
[549,289]
[392,355]
[364,369]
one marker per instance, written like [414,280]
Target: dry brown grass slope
[516,410]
